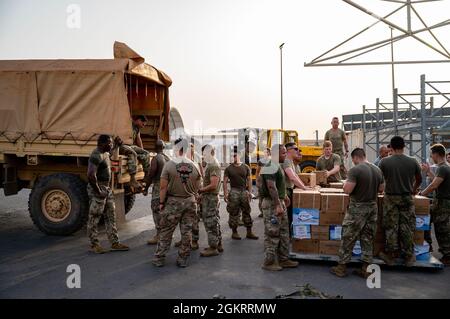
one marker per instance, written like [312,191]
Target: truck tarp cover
[68,98]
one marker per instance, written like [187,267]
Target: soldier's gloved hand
[225,198]
[118,141]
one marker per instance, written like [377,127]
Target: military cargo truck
[51,114]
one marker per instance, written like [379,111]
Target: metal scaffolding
[414,116]
[334,57]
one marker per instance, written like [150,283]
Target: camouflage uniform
[399,223]
[211,218]
[440,215]
[99,207]
[176,211]
[276,236]
[134,154]
[238,202]
[360,222]
[195,226]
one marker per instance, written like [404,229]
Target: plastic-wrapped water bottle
[274,220]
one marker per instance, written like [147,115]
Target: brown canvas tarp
[84,104]
[72,98]
[18,105]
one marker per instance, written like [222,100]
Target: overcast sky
[223,55]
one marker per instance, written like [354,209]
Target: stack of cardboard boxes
[318,217]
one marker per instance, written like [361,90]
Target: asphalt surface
[34,265]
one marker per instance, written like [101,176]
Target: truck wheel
[308,166]
[59,204]
[129,202]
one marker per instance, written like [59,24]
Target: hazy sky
[223,55]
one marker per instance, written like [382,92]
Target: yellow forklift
[255,141]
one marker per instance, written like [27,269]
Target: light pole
[281,80]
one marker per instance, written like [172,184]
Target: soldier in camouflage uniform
[210,202]
[198,214]
[403,177]
[339,141]
[240,195]
[156,168]
[101,198]
[136,153]
[363,184]
[179,184]
[440,210]
[276,227]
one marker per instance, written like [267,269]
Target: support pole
[364,127]
[395,116]
[377,127]
[423,125]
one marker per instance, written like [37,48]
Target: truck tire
[308,166]
[129,202]
[59,204]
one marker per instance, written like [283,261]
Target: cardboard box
[301,231]
[320,232]
[309,179]
[331,218]
[334,203]
[307,246]
[305,216]
[423,222]
[329,247]
[422,205]
[331,190]
[321,177]
[335,232]
[306,199]
[419,237]
[422,252]
[337,185]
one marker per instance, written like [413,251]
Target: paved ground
[33,265]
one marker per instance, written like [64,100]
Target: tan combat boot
[387,258]
[220,247]
[410,260]
[289,263]
[250,234]
[98,249]
[154,240]
[178,243]
[362,272]
[235,234]
[209,252]
[340,270]
[194,245]
[119,247]
[271,266]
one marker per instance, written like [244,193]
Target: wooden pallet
[432,262]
